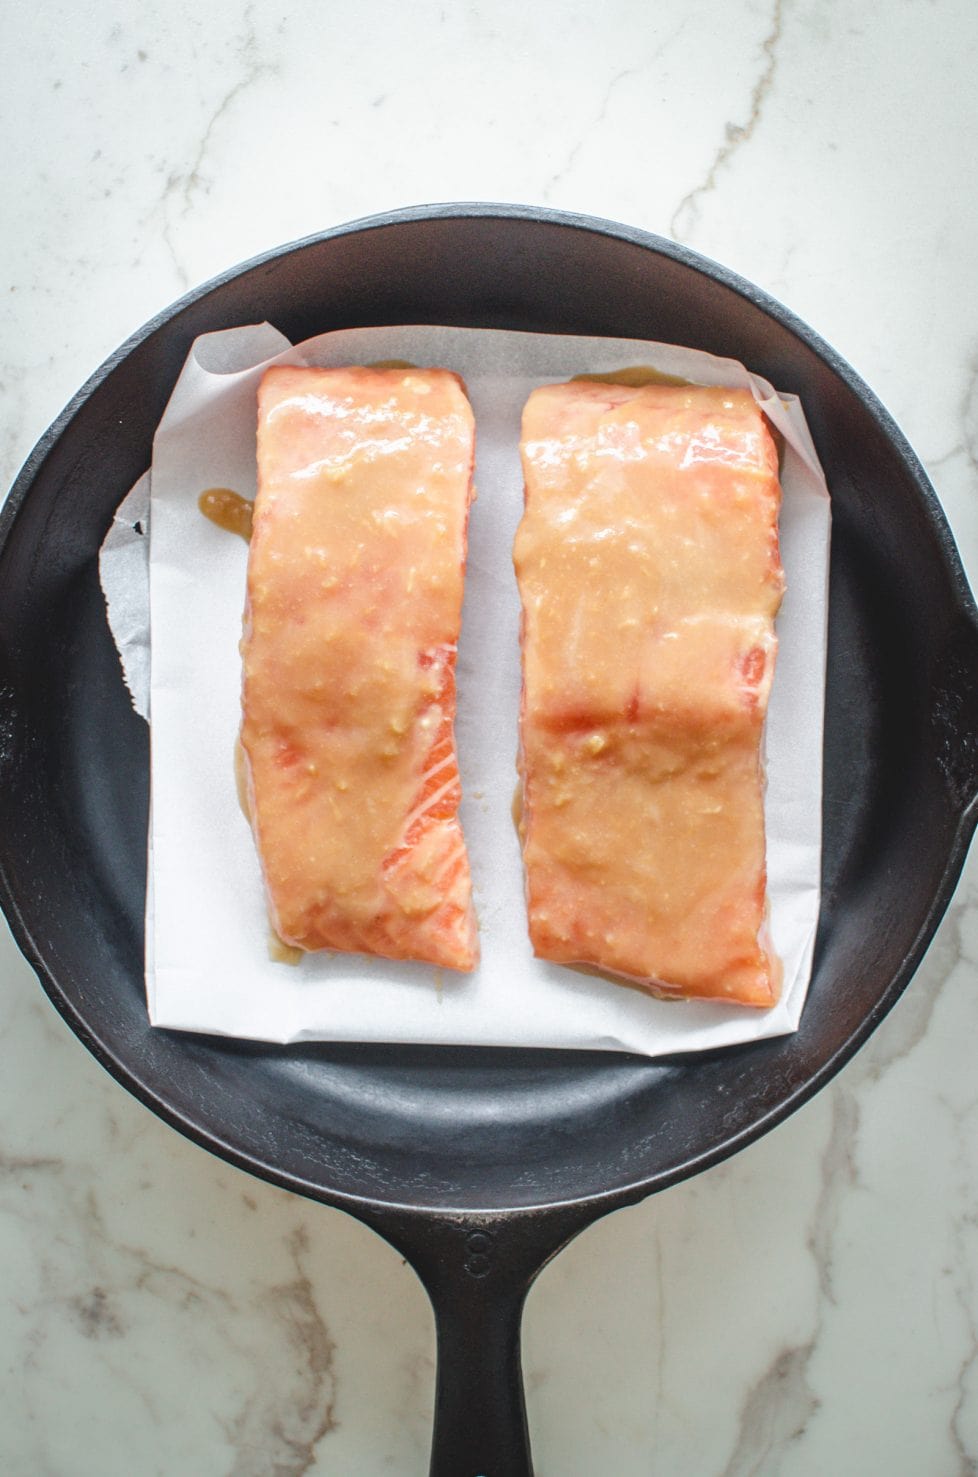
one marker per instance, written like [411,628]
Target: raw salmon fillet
[354,604]
[649,573]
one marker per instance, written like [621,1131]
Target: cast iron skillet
[478,1165]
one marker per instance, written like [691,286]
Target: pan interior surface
[466,1128]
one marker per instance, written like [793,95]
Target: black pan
[478,1165]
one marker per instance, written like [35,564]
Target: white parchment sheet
[207,961]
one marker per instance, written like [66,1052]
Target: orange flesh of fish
[650,576]
[355,575]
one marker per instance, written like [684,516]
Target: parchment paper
[207,961]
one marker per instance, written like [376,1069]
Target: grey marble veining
[810,1306]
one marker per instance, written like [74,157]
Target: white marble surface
[811,1307]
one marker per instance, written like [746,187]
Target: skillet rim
[600,1202]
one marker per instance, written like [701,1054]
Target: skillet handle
[477,1273]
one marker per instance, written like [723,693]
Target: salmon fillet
[354,601]
[649,573]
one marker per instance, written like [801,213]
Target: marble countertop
[809,1307]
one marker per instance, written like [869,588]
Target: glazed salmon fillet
[649,573]
[354,601]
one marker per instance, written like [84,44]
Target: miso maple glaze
[649,572]
[354,603]
[228,510]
